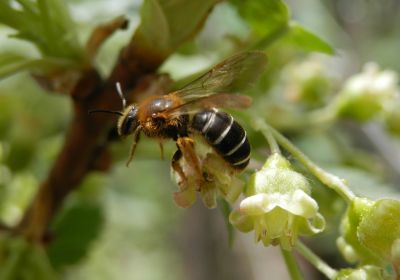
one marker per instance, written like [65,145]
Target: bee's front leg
[136,138]
[160,144]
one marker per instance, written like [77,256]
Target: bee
[195,109]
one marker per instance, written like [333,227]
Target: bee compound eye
[129,125]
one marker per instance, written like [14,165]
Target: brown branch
[102,33]
[86,141]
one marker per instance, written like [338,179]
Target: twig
[86,141]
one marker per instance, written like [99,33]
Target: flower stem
[273,145]
[291,264]
[323,116]
[315,260]
[330,180]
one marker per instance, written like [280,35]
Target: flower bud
[379,229]
[392,119]
[307,82]
[348,242]
[395,255]
[278,206]
[364,95]
[370,231]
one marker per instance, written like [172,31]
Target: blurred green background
[117,227]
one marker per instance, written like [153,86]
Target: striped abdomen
[224,134]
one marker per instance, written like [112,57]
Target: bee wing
[220,100]
[230,75]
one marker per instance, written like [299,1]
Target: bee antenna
[121,94]
[105,111]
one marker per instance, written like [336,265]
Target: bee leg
[161,150]
[186,145]
[136,138]
[177,167]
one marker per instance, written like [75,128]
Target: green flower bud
[368,272]
[278,206]
[370,231]
[395,255]
[364,95]
[379,229]
[348,243]
[392,119]
[307,82]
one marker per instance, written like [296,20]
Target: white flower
[278,206]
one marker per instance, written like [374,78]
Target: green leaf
[12,63]
[45,23]
[300,37]
[269,21]
[165,24]
[25,261]
[73,232]
[155,23]
[264,17]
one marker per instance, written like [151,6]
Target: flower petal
[242,222]
[185,198]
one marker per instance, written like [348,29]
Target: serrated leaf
[300,37]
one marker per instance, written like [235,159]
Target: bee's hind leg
[178,168]
[186,146]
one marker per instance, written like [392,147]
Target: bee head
[128,122]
